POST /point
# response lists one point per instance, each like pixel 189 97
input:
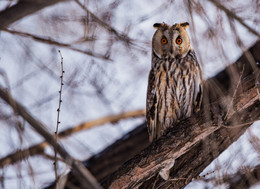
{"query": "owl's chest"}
pixel 174 89
pixel 173 76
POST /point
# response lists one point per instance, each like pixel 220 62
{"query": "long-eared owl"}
pixel 175 81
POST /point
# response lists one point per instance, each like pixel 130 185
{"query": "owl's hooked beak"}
pixel 171 50
pixel 172 54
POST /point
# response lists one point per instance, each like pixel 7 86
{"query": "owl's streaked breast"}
pixel 174 83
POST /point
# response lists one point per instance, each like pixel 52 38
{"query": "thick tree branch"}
pixel 83 175
pixel 185 152
pixel 21 9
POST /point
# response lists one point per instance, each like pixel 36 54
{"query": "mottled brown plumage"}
pixel 175 81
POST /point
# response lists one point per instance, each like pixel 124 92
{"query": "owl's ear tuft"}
pixel 157 25
pixel 184 25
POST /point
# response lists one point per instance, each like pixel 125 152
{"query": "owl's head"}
pixel 171 41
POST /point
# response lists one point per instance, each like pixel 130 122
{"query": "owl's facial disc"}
pixel 161 43
pixel 180 43
pixel 171 41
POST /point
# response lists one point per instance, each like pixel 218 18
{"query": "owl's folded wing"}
pixel 198 93
pixel 151 103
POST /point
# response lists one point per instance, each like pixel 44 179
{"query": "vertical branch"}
pixel 58 116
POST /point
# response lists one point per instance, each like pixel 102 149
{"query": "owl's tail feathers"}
pixel 155 130
pixel 151 138
pixel 151 132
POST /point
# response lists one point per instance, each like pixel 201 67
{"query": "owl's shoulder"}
pixel 191 54
pixel 191 58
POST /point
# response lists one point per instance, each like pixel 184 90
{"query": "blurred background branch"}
pixel 56 43
pixel 234 16
pixel 21 9
pixel 39 149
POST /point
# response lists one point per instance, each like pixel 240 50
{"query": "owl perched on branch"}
pixel 175 81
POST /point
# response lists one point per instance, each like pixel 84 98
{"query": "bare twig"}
pixel 39 148
pixel 204 176
pixel 239 125
pixel 234 16
pixel 23 154
pixel 233 97
pixel 58 115
pixel 83 175
pixel 104 120
pixel 53 158
pixel 53 42
pixel 122 37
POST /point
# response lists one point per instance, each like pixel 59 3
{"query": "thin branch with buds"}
pixel 58 116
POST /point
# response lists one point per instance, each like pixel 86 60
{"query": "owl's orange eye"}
pixel 164 41
pixel 178 40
